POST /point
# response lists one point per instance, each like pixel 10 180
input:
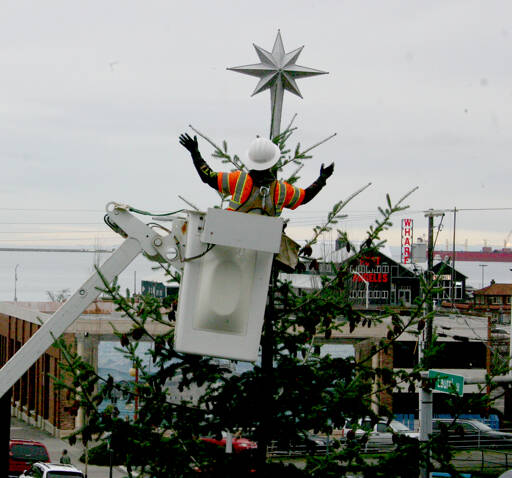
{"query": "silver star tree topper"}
pixel 277 72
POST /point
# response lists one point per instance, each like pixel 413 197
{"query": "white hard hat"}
pixel 262 154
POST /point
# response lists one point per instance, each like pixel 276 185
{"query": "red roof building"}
pixel 496 299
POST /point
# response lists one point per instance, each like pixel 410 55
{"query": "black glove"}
pixel 190 144
pixel 326 172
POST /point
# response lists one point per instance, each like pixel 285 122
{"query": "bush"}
pixel 100 456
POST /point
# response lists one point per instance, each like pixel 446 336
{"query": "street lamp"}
pixel 482 266
pixel 15 281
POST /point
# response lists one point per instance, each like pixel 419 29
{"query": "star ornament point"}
pixel 277 66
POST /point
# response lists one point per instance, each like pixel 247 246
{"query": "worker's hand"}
pixel 326 172
pixel 190 144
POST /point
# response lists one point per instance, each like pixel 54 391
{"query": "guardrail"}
pixel 298 450
pixel 468 442
pixel 483 459
pixel 479 441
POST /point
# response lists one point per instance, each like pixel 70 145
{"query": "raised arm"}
pixel 316 187
pixel 205 172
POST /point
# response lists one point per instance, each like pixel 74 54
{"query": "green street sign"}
pixel 447 382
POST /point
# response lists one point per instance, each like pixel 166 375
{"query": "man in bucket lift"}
pixel 258 191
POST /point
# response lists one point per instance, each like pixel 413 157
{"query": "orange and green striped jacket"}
pixel 239 186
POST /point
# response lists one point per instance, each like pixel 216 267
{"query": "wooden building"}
pixel 451 281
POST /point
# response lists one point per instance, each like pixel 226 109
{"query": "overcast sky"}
pixel 95 94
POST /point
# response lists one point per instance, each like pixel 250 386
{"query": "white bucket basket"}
pixel 223 291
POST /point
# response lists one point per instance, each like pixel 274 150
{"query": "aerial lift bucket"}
pixel 223 291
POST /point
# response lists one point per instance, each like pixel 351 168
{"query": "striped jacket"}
pixel 246 197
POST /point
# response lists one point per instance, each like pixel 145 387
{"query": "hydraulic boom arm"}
pixel 140 238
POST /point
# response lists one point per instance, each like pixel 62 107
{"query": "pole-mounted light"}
pixel 15 282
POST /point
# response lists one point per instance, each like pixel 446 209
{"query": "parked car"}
pixel 52 470
pixel 380 434
pixel 22 453
pixel 312 445
pixel 240 444
pixel 321 443
pixel 466 433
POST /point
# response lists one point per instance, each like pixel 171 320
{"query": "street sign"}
pixel 447 382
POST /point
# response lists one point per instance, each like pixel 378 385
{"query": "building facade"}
pixel 35 397
pixel 451 282
pixel 463 352
pixel 495 301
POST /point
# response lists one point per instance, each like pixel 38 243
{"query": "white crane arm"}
pixel 139 238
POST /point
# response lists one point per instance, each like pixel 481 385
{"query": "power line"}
pixel 37 249
pixel 49 209
pixel 363 211
pixel 52 239
pixel 52 223
pixel 57 232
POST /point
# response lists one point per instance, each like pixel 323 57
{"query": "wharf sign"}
pixel 406 242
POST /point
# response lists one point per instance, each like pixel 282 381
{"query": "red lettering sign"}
pixel 407 235
pixel 372 277
pixel 369 261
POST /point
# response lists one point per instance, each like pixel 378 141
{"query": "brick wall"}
pixel 382 359
pixel 34 396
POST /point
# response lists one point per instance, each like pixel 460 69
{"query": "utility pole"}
pixel 430 264
pixel 453 258
pixel 426 396
pixel 5 431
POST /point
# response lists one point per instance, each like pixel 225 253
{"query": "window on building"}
pixel 3 350
pixel 453 355
pixel 405 354
pixel 458 290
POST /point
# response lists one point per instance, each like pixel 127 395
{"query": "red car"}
pixel 239 444
pixel 22 453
